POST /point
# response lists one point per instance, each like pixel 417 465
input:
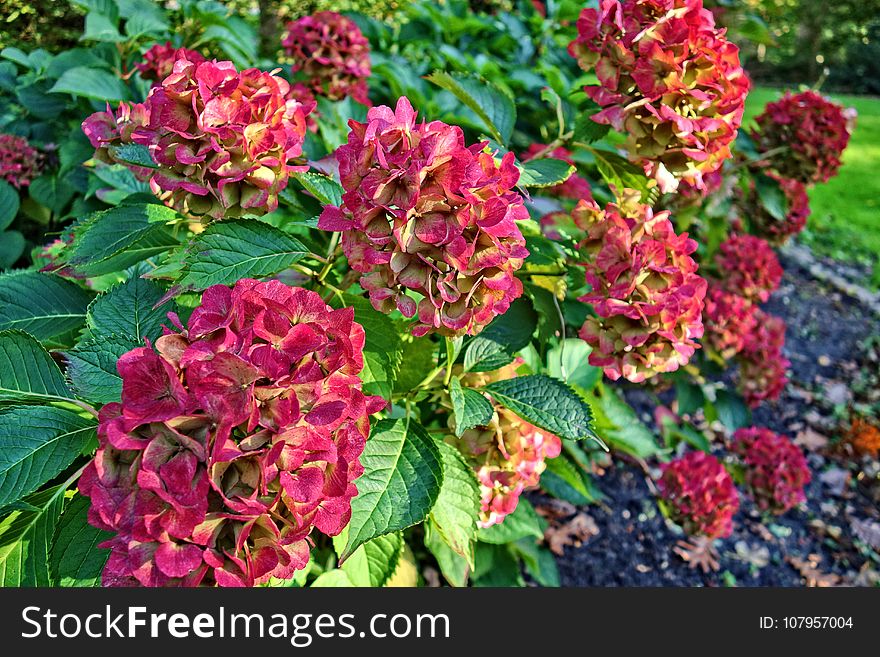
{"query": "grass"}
pixel 845 219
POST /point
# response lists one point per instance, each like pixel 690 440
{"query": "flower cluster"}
pixel 778 231
pixel 864 437
pixel 508 454
pixel 699 494
pixel 331 53
pixel 762 367
pixel 158 62
pixel 646 293
pixel 424 213
pixel 222 140
pixel 729 320
pixel 575 187
pixel 806 134
pixel 235 438
pixel 669 79
pixel 19 162
pixel 748 267
pixel 775 468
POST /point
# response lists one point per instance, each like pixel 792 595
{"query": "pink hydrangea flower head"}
pixel 508 454
pixel 223 140
pixel 576 187
pixel 19 162
pixel 157 63
pixel 807 134
pixel 774 230
pixel 332 54
pixel 422 213
pixel 646 294
pixel 669 79
pixel 235 438
pixel 776 471
pixel 729 320
pixel 699 494
pixel 748 267
pixel 762 367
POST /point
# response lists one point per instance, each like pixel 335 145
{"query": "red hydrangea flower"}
pixel 774 230
pixel 222 140
pixel 19 162
pixel 748 267
pixel 158 62
pixel 235 438
pixel 669 79
pixel 776 471
pixel 424 213
pixel 762 367
pixel 332 53
pixel 729 320
pixel 699 495
pixel 811 133
pixel 576 187
pixel 646 293
pixel 508 454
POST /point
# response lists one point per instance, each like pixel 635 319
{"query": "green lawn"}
pixel 845 220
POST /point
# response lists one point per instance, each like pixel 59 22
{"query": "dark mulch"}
pixel 634 544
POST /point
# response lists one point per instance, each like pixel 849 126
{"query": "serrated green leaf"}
pixel 230 250
pixel 547 403
pixel 545 172
pixel 587 131
pixel 496 567
pixel 323 188
pixel 9 203
pixel 401 481
pixel 539 562
pixel 92 83
pixel 568 362
pixel 564 479
pixel 12 245
pixel 136 154
pixel 112 240
pixel 453 566
pixel 495 345
pixel 471 409
pixel 46 306
pixel 732 410
pixel 457 509
pixel 374 562
pixel 617 424
pixel 383 347
pixel 495 108
pixel 36 444
pixel 621 173
pixel 76 559
pixel 336 578
pixel 523 522
pixel 91 367
pixel 128 309
pixel 419 356
pixel 27 371
pixel 25 539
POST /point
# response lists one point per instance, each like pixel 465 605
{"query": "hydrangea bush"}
pixel 339 297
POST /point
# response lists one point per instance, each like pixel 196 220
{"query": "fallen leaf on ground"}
pixel 754 555
pixel 809 570
pixel 837 393
pixel 867 531
pixel 811 440
pixel 699 552
pixel 573 533
pixel 554 509
pixel 836 479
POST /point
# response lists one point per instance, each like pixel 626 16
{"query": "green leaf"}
pixel 230 250
pixel 36 444
pixel 772 197
pixel 9 203
pixel 383 348
pixel 471 409
pixel 547 403
pixel 587 131
pixel 486 100
pixel 76 559
pixel 418 354
pixel 568 362
pixel 136 154
pixel 323 188
pixel 523 522
pixel 690 397
pixel 12 244
pixel 539 562
pixel 621 173
pixel 401 481
pixel 92 83
pixel 48 307
pixel 495 345
pixel 101 28
pixel 337 578
pixel 457 509
pixel 618 424
pixel 129 309
pixel 453 566
pixel 544 172
pixel 112 240
pixel 25 539
pixel 565 480
pixel 374 562
pixel 91 366
pixel 496 567
pixel 732 410
pixel 27 371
